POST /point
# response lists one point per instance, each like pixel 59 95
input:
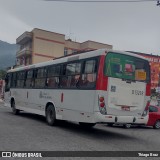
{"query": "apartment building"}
pixel 41 45
pixel 155 68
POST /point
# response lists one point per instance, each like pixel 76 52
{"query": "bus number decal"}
pixel 137 92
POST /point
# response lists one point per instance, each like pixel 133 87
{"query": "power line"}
pixel 105 1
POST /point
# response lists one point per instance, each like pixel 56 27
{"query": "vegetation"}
pixel 2 74
pixel 7 55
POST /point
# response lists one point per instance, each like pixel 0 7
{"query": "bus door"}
pixel 7 87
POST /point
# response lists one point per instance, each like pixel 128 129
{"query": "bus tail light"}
pixel 101 99
pixel 102 106
pixel 145 112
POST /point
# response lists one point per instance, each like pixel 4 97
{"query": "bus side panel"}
pixel 7 97
pixel 20 97
pixel 78 105
pixel 73 105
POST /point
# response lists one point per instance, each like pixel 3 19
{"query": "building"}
pixel 41 45
pixel 155 69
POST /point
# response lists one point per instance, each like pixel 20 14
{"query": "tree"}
pixel 2 74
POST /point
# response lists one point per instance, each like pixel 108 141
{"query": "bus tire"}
pixel 13 106
pixel 50 115
pixel 87 125
pixel 157 125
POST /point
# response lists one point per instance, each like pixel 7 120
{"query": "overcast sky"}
pixel 126 26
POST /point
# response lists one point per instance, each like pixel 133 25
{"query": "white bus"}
pixel 101 86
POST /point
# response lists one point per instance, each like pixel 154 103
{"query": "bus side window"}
pixel 52 80
pixel 29 83
pixel 71 75
pixel 40 77
pixel 63 77
pixel 75 81
pixel 14 80
pixel 21 79
pixel 88 78
pixel 63 82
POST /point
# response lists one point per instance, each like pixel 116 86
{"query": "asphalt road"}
pixel 29 132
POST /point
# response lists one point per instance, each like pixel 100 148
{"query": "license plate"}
pixel 125 108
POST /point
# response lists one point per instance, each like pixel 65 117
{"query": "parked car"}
pixel 139 121
pixel 152 119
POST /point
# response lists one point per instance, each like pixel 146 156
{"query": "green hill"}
pixel 7 54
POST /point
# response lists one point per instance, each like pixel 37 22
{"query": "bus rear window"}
pixel 126 67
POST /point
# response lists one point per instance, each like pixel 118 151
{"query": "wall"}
pixel 47 45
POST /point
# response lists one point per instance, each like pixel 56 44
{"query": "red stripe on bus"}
pixel 148 89
pixel 102 80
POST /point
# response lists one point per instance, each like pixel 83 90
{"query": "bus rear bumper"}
pixel 118 119
pixel 141 120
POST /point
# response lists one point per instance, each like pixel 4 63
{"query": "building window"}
pixel 65 51
pixel 22 61
pixel 28 61
pixel 18 61
pixel 74 51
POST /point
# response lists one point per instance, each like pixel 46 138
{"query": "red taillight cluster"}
pixel 102 106
pixel 101 102
pixel 101 99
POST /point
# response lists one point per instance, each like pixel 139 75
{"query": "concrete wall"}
pixel 47 45
pixel 94 45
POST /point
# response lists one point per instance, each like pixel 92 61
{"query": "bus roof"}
pixel 78 56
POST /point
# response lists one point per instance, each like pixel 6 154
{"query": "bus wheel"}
pixel 51 115
pixel 87 125
pixel 157 125
pixel 13 106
